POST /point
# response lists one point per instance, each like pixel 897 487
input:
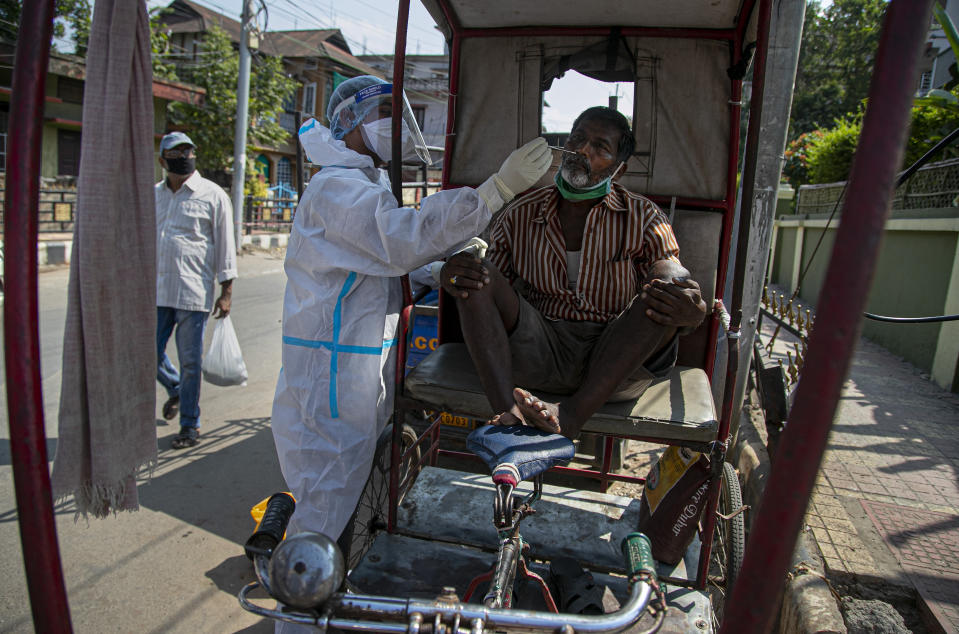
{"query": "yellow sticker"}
pixel 667 471
pixel 455 421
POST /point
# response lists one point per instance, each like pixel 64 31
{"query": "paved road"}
pixel 176 564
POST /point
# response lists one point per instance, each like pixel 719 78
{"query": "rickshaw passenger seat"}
pixel 677 409
pixel 518 452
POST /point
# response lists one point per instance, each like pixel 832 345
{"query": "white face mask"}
pixel 378 136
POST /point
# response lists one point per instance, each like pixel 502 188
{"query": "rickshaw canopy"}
pixel 693 14
pixel 680 56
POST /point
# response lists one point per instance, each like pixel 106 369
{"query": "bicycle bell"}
pixel 306 569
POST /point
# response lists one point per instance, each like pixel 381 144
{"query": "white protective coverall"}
pixel 349 246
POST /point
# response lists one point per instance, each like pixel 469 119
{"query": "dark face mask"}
pixel 181 166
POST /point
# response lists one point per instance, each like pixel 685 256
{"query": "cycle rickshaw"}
pixel 687 68
pixel 688 61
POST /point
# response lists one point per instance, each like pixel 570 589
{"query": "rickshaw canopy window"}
pixel 680 124
pixel 609 61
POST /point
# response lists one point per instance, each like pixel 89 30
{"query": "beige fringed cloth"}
pixel 107 429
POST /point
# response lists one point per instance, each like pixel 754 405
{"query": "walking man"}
pixel 195 250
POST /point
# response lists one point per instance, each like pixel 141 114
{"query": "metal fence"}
pixel 932 187
pixel 57 208
pixel 276 213
pixel 55 211
pixel 268 214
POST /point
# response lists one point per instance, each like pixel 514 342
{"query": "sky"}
pixel 368 25
pixel 369 28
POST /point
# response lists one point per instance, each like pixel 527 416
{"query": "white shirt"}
pixel 195 244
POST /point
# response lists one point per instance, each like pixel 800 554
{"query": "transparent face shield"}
pixel 374 103
pixel 419 143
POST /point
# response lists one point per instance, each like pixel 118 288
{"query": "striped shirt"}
pixel 195 243
pixel 624 234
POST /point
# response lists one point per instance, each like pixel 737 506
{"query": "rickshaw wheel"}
pixel 729 543
pixel 372 510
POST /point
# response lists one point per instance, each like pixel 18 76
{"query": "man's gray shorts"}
pixel 553 356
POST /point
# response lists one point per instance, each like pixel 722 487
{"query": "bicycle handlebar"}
pixel 403 615
pixel 390 614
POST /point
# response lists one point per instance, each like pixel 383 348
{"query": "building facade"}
pixel 63 112
pixel 317 59
pixel 938 56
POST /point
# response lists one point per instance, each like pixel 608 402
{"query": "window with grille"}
pixel 925 82
pixel 419 112
pixel 309 98
pixel 289 104
pixel 70 90
pixel 284 171
pixel 68 153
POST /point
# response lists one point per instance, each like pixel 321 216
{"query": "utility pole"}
pixel 242 111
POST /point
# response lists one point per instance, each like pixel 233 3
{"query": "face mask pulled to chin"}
pixel 378 136
pixel 570 192
pixel 181 166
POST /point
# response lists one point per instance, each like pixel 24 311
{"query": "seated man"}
pixel 581 293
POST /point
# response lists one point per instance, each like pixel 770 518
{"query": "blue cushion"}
pixel 525 451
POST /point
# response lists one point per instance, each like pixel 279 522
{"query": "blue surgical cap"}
pixel 357 111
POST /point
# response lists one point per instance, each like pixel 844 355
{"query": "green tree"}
pixel 77 15
pixel 160 46
pixel 830 155
pixel 68 14
pixel 212 126
pixel 796 165
pixel 839 45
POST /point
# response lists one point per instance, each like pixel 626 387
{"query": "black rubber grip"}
pixel 269 532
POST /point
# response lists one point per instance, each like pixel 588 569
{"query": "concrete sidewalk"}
pixel 885 509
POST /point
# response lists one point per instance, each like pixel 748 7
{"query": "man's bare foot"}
pixel 512 416
pixel 538 413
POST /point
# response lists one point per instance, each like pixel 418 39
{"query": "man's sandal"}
pixel 171 407
pixel 188 437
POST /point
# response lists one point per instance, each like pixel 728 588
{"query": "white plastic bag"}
pixel 223 363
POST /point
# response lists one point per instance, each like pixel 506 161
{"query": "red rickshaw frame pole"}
pixel 754 600
pixel 396 181
pixel 733 334
pixel 38 531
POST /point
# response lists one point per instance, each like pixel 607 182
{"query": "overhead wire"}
pixel 309 17
pixel 362 19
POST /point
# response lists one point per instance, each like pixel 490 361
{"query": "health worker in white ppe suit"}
pixel 350 243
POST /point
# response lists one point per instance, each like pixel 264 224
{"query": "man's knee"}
pixel 475 297
pixel 665 270
pixel 498 294
pixel 489 293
